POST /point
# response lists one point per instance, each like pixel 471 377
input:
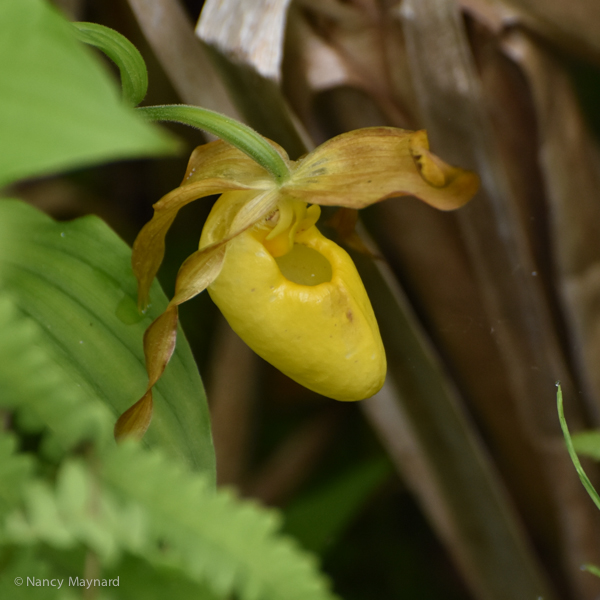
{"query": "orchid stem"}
pixel 235 133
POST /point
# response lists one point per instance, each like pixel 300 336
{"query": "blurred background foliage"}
pixel 453 482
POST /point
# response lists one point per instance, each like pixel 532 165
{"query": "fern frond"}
pixel 140 503
pixel 212 536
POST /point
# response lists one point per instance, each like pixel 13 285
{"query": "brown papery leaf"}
pixel 251 33
pixel 232 402
pixel 570 163
pixel 573 25
pixel 355 45
pixel 506 260
pixel 359 168
pixel 421 420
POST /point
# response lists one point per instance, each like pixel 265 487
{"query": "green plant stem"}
pixel 235 133
pixel 134 75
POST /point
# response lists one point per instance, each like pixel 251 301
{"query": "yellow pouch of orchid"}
pixel 300 305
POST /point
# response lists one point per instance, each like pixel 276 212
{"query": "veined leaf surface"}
pixel 75 281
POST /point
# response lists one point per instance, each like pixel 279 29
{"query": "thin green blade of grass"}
pixel 587 484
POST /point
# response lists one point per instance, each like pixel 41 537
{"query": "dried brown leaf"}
pixel 575 26
pixel 570 163
pixel 501 249
pixel 258 97
pixel 422 422
pixel 248 33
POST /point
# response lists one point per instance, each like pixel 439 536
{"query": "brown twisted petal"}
pixel 159 345
pixel 213 168
pixel 362 167
pixel 134 422
pixel 195 275
pixel 197 272
pixel 201 268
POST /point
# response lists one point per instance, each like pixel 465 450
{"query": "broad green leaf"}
pixel 146 517
pixel 41 392
pixel 74 282
pixel 59 108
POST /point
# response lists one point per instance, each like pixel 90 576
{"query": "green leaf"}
pixel 317 519
pixel 59 108
pixel 134 75
pixel 44 395
pixel 587 443
pixel 587 484
pixel 74 285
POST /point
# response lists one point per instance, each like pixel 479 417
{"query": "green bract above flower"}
pixel 292 295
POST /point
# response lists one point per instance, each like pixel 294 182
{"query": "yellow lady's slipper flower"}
pixel 292 295
pixel 297 300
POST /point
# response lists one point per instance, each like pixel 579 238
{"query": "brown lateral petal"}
pixel 198 271
pixel 203 267
pixel 213 168
pixel 134 422
pixel 362 167
pixel 159 345
pixel 195 275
